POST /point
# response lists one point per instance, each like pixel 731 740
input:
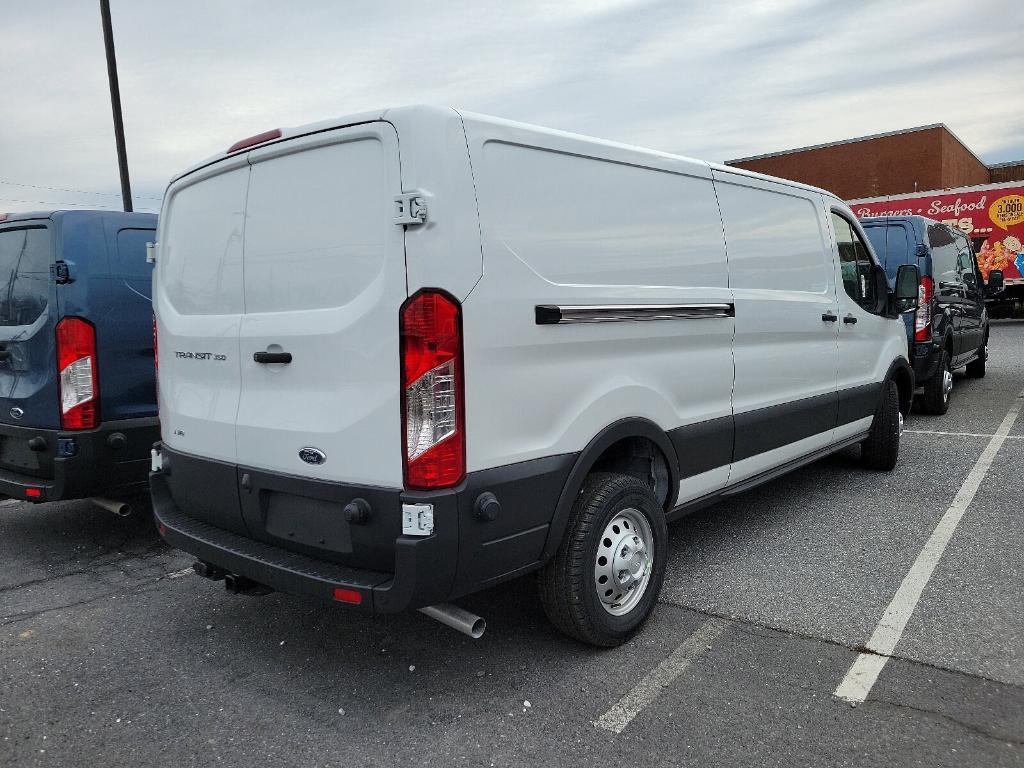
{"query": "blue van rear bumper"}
pixel 41 465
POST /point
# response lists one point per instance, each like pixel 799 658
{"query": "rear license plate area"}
pixel 16 455
pixel 310 522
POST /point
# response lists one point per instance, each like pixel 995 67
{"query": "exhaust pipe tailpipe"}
pixel 119 508
pixel 457 618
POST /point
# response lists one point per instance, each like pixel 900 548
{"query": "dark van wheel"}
pixel 976 368
pixel 605 578
pixel 882 447
pixel 938 388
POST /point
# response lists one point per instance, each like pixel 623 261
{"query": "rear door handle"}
pixel 828 317
pixel 850 320
pixel 272 357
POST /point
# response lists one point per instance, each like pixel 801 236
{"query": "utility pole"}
pixel 115 105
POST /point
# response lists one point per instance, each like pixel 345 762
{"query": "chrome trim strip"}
pixel 553 314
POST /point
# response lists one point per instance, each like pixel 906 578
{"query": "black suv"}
pixel 949 330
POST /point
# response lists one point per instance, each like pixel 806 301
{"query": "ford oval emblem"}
pixel 16 412
pixel 312 455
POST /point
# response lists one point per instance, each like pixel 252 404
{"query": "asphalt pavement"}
pixel 112 653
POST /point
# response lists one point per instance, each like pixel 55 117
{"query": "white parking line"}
pixel 647 690
pixel 858 682
pixel 957 434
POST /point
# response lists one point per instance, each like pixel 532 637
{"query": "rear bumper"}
pixel 112 459
pixel 925 362
pixel 390 571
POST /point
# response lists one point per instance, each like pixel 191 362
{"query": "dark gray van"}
pixel 949 330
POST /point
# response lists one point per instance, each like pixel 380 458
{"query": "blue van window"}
pixel 132 266
pixel 892 244
pixel 25 259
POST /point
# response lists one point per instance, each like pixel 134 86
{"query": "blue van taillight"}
pixel 76 366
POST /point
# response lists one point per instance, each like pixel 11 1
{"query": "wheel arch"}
pixel 901 372
pixel 605 444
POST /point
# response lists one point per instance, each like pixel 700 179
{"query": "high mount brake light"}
pixel 434 454
pixel 923 316
pixel 252 141
pixel 79 379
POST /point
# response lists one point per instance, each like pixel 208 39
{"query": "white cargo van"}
pixel 407 355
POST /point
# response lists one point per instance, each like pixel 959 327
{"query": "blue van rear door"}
pixel 28 311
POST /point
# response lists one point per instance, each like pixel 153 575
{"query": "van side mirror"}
pixel 905 289
pixel 995 280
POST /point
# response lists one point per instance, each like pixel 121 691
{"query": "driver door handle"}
pixel 829 317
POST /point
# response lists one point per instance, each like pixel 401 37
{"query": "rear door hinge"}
pixel 410 208
pixel 61 273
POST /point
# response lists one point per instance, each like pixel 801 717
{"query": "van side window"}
pixel 965 258
pixel 25 259
pixel 854 262
pixel 945 271
pixel 132 267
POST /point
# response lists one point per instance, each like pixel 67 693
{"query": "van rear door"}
pixel 28 311
pixel 324 281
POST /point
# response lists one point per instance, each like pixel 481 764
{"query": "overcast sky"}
pixel 709 80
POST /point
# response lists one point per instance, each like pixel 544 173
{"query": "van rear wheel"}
pixel 603 582
pixel 882 447
pixel 939 388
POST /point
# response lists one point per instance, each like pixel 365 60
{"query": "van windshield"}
pixel 24 274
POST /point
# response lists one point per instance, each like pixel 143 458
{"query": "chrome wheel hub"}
pixel 624 559
pixel 947 383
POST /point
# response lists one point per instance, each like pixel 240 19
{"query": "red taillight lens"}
pixel 923 316
pixel 432 391
pixel 348 596
pixel 33 493
pixel 252 141
pixel 79 381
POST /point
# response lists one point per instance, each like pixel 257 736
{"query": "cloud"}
pixel 707 80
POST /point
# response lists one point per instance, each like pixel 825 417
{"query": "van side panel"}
pixel 782 275
pixel 571 223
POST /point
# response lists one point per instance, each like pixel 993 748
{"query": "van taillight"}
pixel 432 391
pixel 79 382
pixel 923 316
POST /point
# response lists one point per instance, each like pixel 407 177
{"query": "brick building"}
pixel 898 162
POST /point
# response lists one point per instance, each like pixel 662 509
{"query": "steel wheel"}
pixel 624 562
pixel 947 383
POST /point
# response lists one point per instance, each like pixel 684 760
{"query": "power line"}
pixel 75 191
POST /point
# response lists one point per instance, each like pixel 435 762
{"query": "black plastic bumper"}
pixel 222 514
pixel 110 460
pixel 926 361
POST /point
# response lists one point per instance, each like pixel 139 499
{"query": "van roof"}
pixel 61 212
pixel 431 113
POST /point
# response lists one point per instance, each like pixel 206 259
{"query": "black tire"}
pixel 882 447
pixel 976 368
pixel 935 399
pixel 568 590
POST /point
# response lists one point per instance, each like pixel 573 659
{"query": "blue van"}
pixel 78 411
pixel 950 329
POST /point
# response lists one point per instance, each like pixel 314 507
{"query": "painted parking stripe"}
pixel 956 434
pixel 858 682
pixel 648 689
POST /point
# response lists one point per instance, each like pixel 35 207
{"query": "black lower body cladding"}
pixel 50 465
pixel 291 534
